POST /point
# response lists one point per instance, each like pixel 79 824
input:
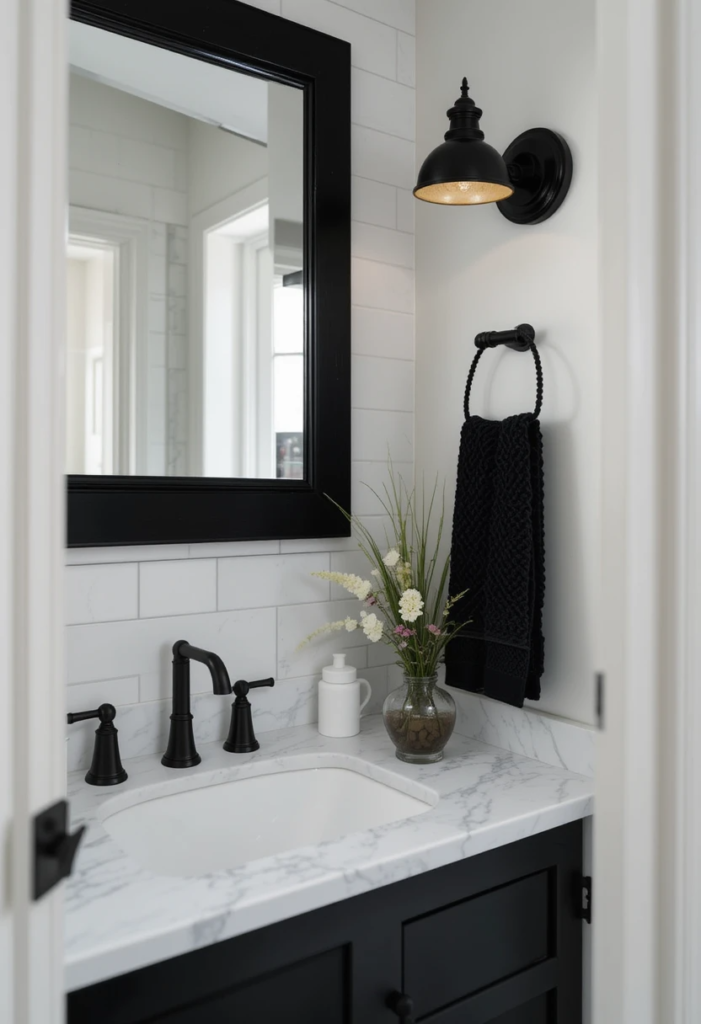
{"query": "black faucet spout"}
pixel 181 751
pixel 217 669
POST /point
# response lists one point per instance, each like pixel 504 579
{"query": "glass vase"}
pixel 419 717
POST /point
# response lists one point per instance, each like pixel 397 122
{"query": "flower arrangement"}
pixel 405 603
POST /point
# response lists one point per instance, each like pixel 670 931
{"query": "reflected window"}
pixel 288 376
pixel 90 370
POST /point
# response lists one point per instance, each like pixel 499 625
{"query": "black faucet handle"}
pixel 105 712
pixel 242 686
pixel 106 768
pixel 241 738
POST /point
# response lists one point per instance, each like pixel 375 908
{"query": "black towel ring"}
pixel 521 339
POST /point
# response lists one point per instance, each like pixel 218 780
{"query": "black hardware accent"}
pixel 528 182
pixel 402 1005
pixel 522 339
pixel 584 898
pixel 106 768
pixel 600 680
pixel 539 163
pixel 54 848
pixel 241 738
pixel 519 339
pixel 181 751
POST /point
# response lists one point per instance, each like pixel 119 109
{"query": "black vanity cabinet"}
pixel 494 939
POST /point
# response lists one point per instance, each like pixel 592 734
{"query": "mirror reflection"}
pixel 185 257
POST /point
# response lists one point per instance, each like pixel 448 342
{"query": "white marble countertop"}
pixel 120 917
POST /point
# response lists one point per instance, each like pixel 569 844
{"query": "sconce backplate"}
pixel 539 162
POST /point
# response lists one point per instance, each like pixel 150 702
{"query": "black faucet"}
pixel 181 751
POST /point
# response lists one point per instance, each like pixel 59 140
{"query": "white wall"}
pixel 253 603
pixel 128 156
pixel 220 164
pixel 528 64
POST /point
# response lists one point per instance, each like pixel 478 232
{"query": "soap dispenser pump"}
pixel 339 699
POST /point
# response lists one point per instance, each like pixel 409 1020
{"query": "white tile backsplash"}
pixel 367 484
pixel 383 105
pixel 100 593
pixel 382 286
pixel 263 581
pixel 406 59
pixel 382 157
pixel 178 588
pixel 373 45
pixel 295 622
pixel 372 242
pixel 87 696
pixel 386 384
pixel 253 602
pixel 406 210
pixel 373 202
pixel 375 433
pixel 381 332
pixel 399 13
pixel 246 640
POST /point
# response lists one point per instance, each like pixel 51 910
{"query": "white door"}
pixel 33 75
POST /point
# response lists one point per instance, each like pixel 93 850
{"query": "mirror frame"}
pixel 120 510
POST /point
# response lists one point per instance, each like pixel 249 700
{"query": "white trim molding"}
pixel 647 835
pixel 33 73
pixel 680 897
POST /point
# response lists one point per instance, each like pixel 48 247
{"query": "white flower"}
pixel 360 588
pixel 351 624
pixel 375 573
pixel 411 605
pixel 328 627
pixel 391 558
pixel 372 626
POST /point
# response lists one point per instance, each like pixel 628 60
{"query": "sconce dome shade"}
pixel 463 172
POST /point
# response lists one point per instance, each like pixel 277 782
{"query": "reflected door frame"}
pixel 130 236
pixel 243 201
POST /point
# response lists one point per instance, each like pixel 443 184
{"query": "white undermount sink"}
pixel 223 825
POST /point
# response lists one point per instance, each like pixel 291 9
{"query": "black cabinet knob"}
pixel 402 1005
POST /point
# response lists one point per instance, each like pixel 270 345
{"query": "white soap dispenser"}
pixel 339 699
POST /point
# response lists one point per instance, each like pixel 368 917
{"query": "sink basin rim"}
pixel 317 802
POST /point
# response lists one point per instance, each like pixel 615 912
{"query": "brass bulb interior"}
pixel 464 193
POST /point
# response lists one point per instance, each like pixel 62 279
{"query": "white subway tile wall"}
pixel 253 602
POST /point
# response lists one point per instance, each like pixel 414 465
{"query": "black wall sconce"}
pixel 528 183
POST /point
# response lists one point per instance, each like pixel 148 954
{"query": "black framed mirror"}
pixel 208 254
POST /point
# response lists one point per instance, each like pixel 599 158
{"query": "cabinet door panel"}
pixel 537 1011
pixel 466 947
pixel 314 990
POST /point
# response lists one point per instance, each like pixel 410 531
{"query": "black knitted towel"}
pixel 498 555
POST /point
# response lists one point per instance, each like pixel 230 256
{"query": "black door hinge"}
pixel 584 905
pixel 54 848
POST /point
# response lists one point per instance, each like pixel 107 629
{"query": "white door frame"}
pixel 33 85
pixel 131 343
pixel 248 198
pixel 647 827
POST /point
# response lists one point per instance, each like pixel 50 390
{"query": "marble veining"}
pixel 527 731
pixel 120 917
